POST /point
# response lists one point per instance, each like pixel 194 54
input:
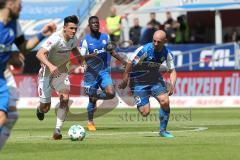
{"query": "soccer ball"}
pixel 76 132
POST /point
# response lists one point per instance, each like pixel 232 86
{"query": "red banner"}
pixel 205 83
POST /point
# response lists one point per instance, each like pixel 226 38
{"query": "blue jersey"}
pixel 91 45
pixel 8 35
pixel 97 72
pixel 146 62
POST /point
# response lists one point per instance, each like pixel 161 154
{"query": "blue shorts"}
pixel 142 93
pixel 4 96
pixel 102 80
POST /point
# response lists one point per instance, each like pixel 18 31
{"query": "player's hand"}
pixel 170 88
pixel 49 29
pixel 54 71
pixel 123 84
pixel 110 46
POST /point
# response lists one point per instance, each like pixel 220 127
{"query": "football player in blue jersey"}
pixel 10 32
pixel 97 50
pixel 146 81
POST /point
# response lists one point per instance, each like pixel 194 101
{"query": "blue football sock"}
pixel 90 109
pixel 163 117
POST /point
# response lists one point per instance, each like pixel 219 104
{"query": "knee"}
pixel 145 113
pixel 64 98
pixel 45 107
pixel 164 103
pixel 111 94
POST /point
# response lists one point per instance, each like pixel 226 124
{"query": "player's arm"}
pixel 125 77
pixel 77 54
pixel 111 49
pixel 42 56
pixel 173 78
pixel 84 50
pixel 27 45
pixel 134 59
pixel 49 45
pixel 173 73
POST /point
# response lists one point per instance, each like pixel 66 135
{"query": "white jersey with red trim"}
pixel 58 52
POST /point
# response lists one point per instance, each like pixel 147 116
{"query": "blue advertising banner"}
pixel 37 13
pixel 194 57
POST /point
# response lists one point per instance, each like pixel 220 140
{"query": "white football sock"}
pixel 61 116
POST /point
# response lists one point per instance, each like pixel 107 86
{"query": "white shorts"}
pixel 46 84
pixel 13 91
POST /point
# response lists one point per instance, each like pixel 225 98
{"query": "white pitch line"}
pixel 189 129
pixel 195 129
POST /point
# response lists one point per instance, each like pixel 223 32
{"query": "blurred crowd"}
pixel 178 30
pixel 232 36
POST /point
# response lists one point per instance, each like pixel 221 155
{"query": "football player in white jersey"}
pixel 54 56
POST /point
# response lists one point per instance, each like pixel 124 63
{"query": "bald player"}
pixel 146 80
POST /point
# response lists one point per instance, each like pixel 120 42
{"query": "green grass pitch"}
pixel 200 134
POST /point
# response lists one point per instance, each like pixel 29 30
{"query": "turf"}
pixel 200 134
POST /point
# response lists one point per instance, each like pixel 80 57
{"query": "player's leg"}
pixel 61 113
pixel 14 97
pixel 12 110
pixel 91 91
pixel 106 85
pixel 43 108
pixel 107 92
pixel 141 98
pixel 44 92
pixel 91 108
pixel 143 105
pixel 4 96
pixel 62 86
pixel 3 132
pixel 160 93
pixel 91 85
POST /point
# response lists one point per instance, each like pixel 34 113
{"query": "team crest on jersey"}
pixel 104 41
